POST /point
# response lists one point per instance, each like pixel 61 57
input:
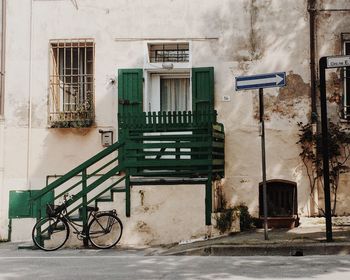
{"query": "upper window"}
pixel 170 52
pixel 71 83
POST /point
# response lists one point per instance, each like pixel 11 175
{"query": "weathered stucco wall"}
pixel 236 37
pixel 332 20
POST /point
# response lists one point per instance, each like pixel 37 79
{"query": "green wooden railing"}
pixel 179 144
pixel 88 181
pixel 166 121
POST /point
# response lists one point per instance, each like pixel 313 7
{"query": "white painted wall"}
pixel 235 37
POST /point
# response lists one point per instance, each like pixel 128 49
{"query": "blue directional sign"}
pixel 277 79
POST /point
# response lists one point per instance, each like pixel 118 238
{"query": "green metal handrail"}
pixel 85 187
pixel 77 170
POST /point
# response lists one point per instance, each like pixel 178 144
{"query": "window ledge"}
pixel 71 124
pixel 73 119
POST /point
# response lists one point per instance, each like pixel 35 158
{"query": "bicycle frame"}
pixel 81 233
pixel 76 226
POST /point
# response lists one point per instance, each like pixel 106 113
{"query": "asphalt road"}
pixel 115 264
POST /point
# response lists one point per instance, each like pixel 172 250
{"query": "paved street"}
pixel 114 264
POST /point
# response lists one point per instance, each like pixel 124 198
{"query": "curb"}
pixel 266 250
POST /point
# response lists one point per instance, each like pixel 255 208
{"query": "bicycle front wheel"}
pixel 105 230
pixel 50 233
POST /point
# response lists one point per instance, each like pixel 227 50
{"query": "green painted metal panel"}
pixel 20 203
pixel 203 89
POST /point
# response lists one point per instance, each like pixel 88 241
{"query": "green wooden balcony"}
pixel 167 148
pixel 172 144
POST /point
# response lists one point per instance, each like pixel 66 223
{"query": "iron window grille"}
pixel 71 102
pixel 168 52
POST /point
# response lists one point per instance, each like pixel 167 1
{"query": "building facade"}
pixel 70 66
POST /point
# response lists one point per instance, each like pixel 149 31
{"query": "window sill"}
pixel 71 119
pixel 71 124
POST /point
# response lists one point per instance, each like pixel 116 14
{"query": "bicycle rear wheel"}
pixel 105 230
pixel 50 233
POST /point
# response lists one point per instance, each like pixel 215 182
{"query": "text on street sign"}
pixel 338 61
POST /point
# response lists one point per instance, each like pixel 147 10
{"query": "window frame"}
pixel 162 69
pixel 166 52
pixel 58 116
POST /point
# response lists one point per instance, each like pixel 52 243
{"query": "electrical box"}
pixel 106 137
pixel 20 205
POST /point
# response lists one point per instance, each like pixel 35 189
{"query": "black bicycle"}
pixel 51 232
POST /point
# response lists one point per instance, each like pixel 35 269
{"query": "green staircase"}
pixel 83 183
pixel 153 149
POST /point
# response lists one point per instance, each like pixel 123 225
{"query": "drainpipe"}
pixel 2 96
pixel 3 50
pixel 312 17
pixel 29 134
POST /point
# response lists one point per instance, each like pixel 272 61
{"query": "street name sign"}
pixel 338 61
pixel 270 80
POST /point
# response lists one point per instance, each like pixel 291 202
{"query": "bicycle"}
pixel 50 233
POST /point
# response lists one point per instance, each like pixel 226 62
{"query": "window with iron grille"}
pixel 172 52
pixel 71 83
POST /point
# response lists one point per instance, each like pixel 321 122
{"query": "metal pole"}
pixel 325 149
pixel 84 208
pixel 263 157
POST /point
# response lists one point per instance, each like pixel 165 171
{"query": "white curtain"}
pixel 174 94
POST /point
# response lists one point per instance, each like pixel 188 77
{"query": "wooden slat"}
pixel 160 163
pixel 133 145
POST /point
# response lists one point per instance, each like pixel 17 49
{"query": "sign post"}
pixel 263 158
pixel 325 63
pixel 260 82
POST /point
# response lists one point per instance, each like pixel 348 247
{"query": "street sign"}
pixel 338 61
pixel 277 79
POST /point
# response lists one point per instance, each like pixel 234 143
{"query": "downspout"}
pixel 2 96
pixel 3 51
pixel 313 87
pixel 29 133
pixel 313 91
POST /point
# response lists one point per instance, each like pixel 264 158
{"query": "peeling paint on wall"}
pixel 284 103
pixel 334 88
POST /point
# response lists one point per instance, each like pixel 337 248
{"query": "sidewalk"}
pixel 307 239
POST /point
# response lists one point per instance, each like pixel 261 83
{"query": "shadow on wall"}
pixel 253 45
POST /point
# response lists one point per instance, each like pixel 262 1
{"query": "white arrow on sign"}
pixel 277 79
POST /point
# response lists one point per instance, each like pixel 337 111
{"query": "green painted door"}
pixel 203 89
pixel 130 91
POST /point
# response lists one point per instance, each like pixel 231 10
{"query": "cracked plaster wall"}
pixel 250 37
pixel 331 21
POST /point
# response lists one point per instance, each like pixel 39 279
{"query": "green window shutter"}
pixel 203 89
pixel 130 90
